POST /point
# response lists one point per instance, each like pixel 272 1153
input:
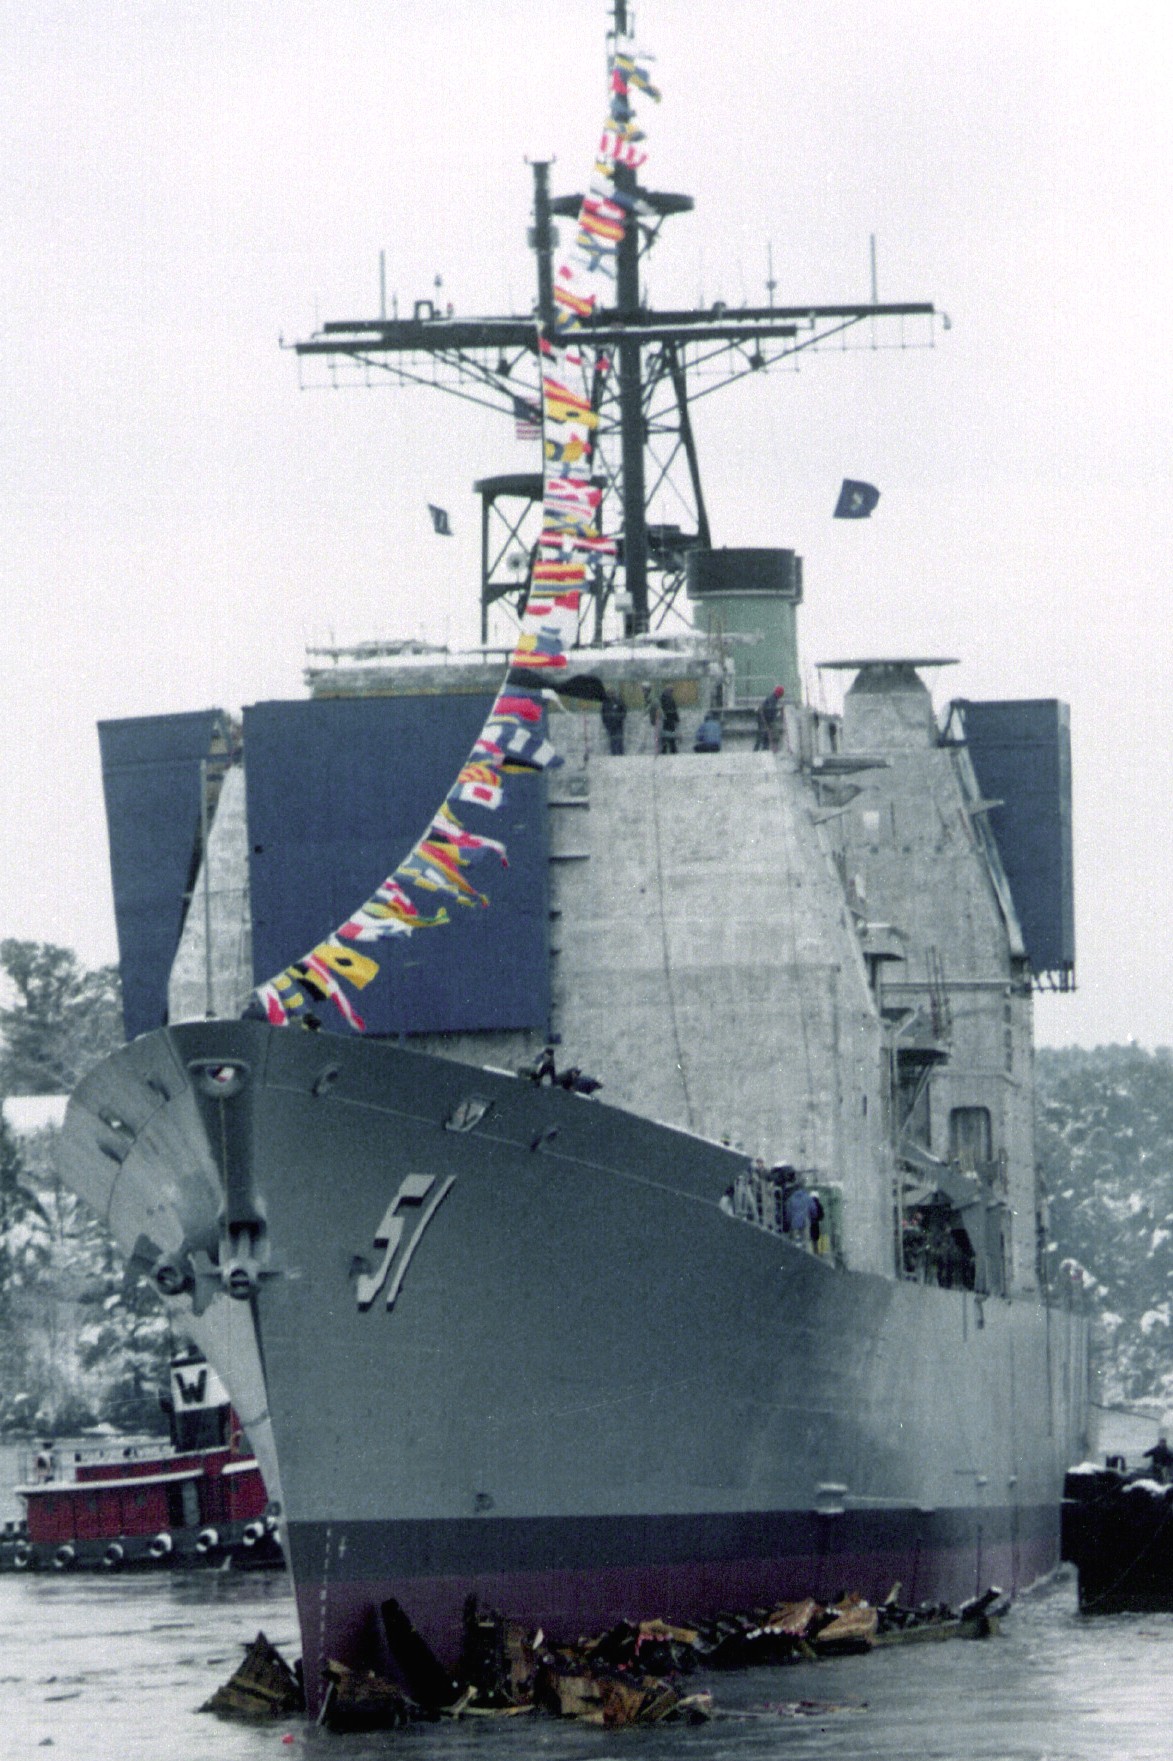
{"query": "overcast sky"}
pixel 187 182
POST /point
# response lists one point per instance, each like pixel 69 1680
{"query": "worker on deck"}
pixel 543 1068
pixel 770 723
pixel 669 719
pixel 614 714
pixel 708 734
pixel 801 1208
pixel 1161 1457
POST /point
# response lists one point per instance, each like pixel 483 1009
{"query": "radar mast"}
pixel 649 367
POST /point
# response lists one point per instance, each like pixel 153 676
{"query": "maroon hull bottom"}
pixel 339 1608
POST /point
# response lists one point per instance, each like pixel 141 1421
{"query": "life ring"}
pixel 253 1532
pixel 161 1546
pixel 114 1556
pixel 64 1556
pixel 207 1541
pixel 24 1557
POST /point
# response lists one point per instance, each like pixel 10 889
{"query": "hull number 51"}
pixel 398 1235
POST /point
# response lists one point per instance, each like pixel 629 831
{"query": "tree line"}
pixel 81 1340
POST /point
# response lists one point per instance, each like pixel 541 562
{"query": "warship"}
pixel 498 1274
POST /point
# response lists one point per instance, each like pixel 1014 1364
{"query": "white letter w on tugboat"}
pixel 413 1190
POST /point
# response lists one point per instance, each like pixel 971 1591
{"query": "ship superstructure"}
pixel 813 954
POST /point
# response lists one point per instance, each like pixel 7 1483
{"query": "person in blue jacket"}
pixel 708 735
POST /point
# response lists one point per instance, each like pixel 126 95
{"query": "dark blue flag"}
pixel 440 520
pixel 527 419
pixel 856 500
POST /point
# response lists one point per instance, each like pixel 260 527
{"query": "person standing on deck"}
pixel 1161 1457
pixel 614 714
pixel 669 719
pixel 770 724
pixel 801 1210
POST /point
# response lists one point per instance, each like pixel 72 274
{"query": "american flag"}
pixel 527 419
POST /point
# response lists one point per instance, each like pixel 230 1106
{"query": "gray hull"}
pixel 593 1392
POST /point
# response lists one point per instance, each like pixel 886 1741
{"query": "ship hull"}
pixel 514 1345
pixel 572 1579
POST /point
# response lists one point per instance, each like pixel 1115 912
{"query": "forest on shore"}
pixel 82 1340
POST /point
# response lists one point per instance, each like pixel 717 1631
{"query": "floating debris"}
pixel 264 1686
pixel 795 1709
pixel 976 1619
pixel 431 1687
pixel 852 1626
pixel 357 1702
pixel 612 1696
pixel 630 1674
pixel 499 1659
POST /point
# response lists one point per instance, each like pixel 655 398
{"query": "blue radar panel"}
pixel 1021 754
pixel 151 779
pixel 339 789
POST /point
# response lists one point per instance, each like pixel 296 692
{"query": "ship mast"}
pixel 631 418
pixel 644 358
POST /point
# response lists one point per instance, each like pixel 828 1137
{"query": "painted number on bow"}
pixel 398 1235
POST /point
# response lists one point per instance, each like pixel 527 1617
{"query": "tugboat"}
pixel 1117 1531
pixel 201 1501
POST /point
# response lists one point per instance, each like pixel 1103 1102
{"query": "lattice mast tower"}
pixel 647 364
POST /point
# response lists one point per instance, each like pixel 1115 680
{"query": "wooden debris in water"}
pixel 792 1620
pixel 630 1674
pixel 264 1686
pixel 635 1700
pixel 853 1626
pixel 359 1702
pixel 499 1659
pixel 616 1697
pixel 429 1683
pixel 933 1622
pixel 571 1693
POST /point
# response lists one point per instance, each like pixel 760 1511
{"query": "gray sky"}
pixel 187 181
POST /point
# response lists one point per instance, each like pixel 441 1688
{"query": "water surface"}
pixel 94 1668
